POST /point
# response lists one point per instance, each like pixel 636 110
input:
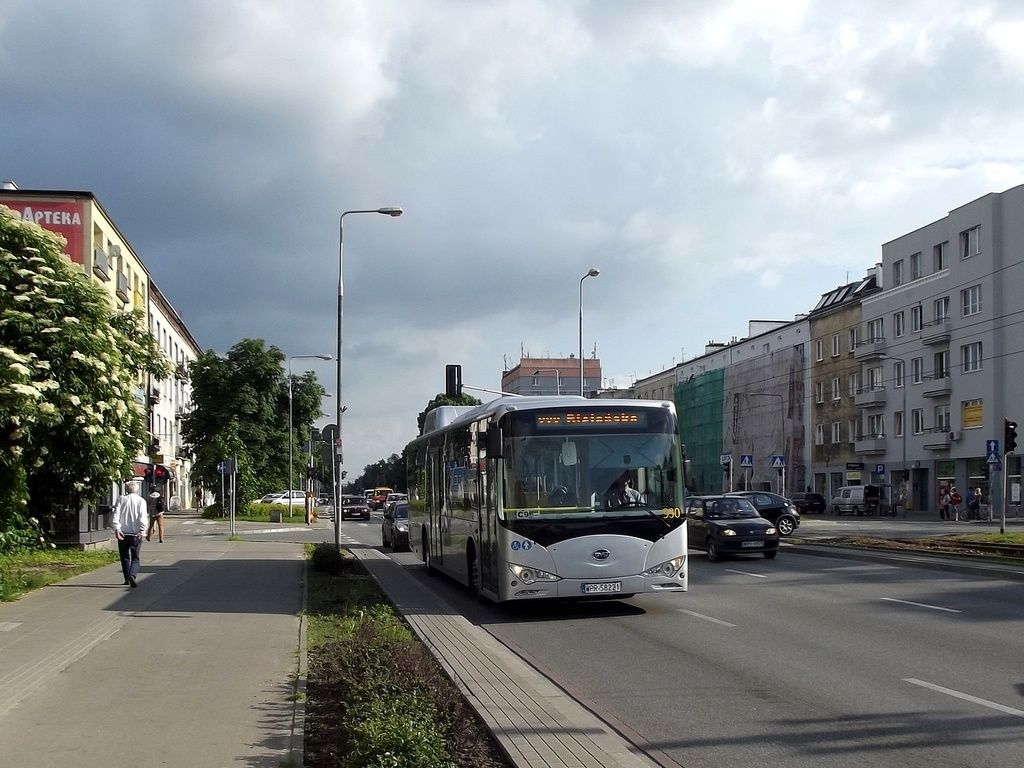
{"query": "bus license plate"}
pixel 607 586
pixel 752 544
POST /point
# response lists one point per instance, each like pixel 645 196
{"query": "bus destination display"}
pixel 586 419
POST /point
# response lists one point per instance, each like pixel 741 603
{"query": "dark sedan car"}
pixel 354 506
pixel 771 506
pixel 809 503
pixel 722 525
pixel 394 528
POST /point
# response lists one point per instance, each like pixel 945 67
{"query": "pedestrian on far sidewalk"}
pixel 129 521
pixel 955 500
pixel 309 507
pixel 944 503
pixel 156 516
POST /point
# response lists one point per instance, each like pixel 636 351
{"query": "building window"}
pixel 835 432
pixel 876 426
pixel 940 369
pixel 819 392
pixel 942 418
pixel 853 428
pixel 819 434
pixel 970 242
pixel 970 413
pixel 875 378
pixel 854 384
pixel 897 273
pixel 917 370
pixel 916 318
pixel 917 420
pixel 970 357
pixel 819 350
pixel 899 324
pixel 853 339
pixel 915 266
pixel 970 300
pixel 876 330
pixel 941 256
pixel 835 345
pixel 942 310
pixel 837 392
pixel 897 423
pixel 897 373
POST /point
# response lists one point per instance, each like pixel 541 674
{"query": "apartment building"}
pixel 103 253
pixel 942 350
pixel 552 376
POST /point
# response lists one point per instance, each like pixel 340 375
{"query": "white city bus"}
pixel 523 498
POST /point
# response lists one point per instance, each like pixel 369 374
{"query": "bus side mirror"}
pixel 494 442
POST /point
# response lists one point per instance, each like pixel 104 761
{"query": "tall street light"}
pixel 782 408
pixel 338 456
pixel 591 273
pixel 291 436
pixel 558 383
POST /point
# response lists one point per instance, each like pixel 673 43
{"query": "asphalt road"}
pixel 800 661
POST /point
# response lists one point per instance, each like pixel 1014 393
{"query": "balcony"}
pixel 869 349
pixel 122 287
pixel 100 264
pixel 870 397
pixel 938 439
pixel 936 332
pixel 154 395
pixel 938 387
pixel 181 372
pixel 868 445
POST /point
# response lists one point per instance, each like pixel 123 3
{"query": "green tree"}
pixel 240 409
pixel 70 424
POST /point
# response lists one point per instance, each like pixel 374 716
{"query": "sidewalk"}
pixel 201 665
pixel 197 666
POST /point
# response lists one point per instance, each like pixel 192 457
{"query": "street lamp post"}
pixel 558 384
pixel 291 436
pixel 591 273
pixel 339 459
pixel 782 408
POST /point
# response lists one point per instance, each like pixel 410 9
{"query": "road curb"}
pixel 915 560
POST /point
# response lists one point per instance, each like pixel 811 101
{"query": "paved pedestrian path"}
pixel 198 666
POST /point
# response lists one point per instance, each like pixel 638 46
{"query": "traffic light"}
pixel 453 380
pixel 157 475
pixel 1009 436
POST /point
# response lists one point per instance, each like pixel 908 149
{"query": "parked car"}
pixel 772 506
pixel 861 500
pixel 354 506
pixel 271 498
pixel 394 528
pixel 281 497
pixel 380 495
pixel 723 525
pixel 809 503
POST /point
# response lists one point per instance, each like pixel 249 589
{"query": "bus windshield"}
pixel 562 466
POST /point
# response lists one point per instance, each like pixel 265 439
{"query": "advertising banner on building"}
pixel 65 217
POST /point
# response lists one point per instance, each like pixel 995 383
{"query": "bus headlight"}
pixel 668 570
pixel 530 575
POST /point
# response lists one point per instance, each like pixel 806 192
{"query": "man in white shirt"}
pixel 130 520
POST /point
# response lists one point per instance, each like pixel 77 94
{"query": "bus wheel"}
pixel 431 571
pixel 473 569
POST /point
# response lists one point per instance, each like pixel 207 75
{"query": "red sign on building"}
pixel 63 217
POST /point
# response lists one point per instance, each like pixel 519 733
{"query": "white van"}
pixel 860 500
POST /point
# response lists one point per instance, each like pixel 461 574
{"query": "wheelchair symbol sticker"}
pixel 521 545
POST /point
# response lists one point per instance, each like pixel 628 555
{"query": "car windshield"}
pixel 721 509
pixel 353 501
pixel 401 511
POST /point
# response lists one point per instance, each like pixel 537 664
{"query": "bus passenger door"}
pixel 436 506
pixel 486 506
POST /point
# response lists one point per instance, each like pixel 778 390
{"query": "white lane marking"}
pixel 7 626
pixel 965 697
pixel 746 573
pixel 921 605
pixel 706 618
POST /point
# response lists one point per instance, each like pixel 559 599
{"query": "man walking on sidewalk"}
pixel 130 520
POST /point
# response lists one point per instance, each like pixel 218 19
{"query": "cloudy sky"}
pixel 718 161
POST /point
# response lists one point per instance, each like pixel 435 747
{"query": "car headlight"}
pixel 403 527
pixel 530 575
pixel 668 569
pixel 771 531
pixel 727 532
